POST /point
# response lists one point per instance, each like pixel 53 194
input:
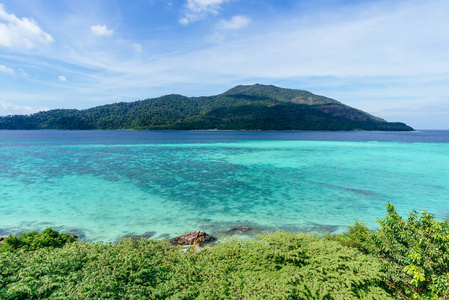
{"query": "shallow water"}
pixel 106 184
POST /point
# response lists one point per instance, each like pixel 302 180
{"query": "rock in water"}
pixel 137 237
pixel 244 230
pixel 240 229
pixel 164 236
pixel 189 238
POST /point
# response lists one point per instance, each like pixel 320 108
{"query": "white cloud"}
pixel 236 22
pixel 101 30
pixel 196 10
pixel 184 21
pixel 386 40
pixel 18 33
pixel 12 109
pixel 337 53
pixel 9 71
pixel 5 69
pixel 137 47
pixel 62 78
pixel 23 73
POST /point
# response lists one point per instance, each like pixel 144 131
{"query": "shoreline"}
pixel 242 230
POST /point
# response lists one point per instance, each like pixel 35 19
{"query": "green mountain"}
pixel 250 107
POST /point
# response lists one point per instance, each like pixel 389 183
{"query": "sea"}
pixel 106 185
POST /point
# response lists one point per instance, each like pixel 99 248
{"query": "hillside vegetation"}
pixel 254 107
pixel 404 259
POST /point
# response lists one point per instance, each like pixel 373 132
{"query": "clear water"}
pixel 106 184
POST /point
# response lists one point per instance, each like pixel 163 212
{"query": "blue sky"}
pixel 389 58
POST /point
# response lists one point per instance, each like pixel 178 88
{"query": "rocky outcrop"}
pixel 198 237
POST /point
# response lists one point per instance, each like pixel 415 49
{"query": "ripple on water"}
pixel 105 192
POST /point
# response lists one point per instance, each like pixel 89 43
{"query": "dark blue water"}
pixel 142 137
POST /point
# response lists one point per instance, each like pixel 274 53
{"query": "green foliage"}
pixel 34 240
pixel 276 266
pixel 358 236
pixel 254 107
pixel 414 253
pixel 407 259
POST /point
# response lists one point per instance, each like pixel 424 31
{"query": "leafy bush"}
pixel 407 259
pixel 358 236
pixel 276 266
pixel 414 253
pixel 34 240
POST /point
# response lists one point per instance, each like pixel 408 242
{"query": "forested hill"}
pixel 252 107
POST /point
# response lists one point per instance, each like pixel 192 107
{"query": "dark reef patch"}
pixel 137 237
pixel 244 230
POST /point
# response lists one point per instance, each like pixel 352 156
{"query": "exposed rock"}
pixel 76 233
pixel 200 237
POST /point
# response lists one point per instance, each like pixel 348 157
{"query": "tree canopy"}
pixel 253 107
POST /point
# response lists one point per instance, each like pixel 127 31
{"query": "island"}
pixel 244 107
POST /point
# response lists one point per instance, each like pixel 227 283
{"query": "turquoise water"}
pixel 104 185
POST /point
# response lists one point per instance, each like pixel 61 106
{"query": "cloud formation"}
pixel 18 33
pixel 137 47
pixel 236 22
pixel 101 30
pixel 23 73
pixel 387 40
pixel 5 69
pixel 13 109
pixel 380 56
pixel 62 78
pixel 196 10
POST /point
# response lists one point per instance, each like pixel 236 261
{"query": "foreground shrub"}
pixel 358 236
pixel 276 266
pixel 34 240
pixel 414 253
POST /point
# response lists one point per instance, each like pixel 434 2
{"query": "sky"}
pixel 388 58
